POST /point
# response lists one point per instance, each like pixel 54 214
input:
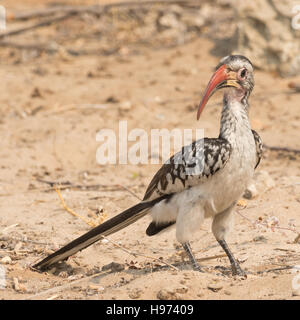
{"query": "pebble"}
pixel 17 286
pixel 182 289
pixel 214 287
pixel 114 267
pixel 63 274
pixel 262 183
pixel 135 293
pixel 6 260
pixel 251 192
pixel 296 292
pixel 242 203
pixel 260 239
pixel 164 294
pixel 53 297
pixel 96 288
pixel 125 106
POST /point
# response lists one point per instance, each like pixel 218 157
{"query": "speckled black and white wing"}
pixel 259 147
pixel 191 166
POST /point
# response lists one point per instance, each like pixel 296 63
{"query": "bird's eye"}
pixel 243 73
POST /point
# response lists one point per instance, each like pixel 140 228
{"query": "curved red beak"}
pixel 220 79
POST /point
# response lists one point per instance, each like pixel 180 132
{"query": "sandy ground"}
pixel 51 110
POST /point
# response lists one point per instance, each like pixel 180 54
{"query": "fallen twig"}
pixel 217 256
pixel 7 238
pixel 54 183
pixel 96 9
pixel 128 190
pixel 46 12
pixel 35 26
pixel 276 269
pixel 7 229
pixel 68 185
pixel 45 48
pixel 65 286
pixel 72 212
pixel 69 11
pixel 135 254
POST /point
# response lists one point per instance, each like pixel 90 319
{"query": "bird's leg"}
pixel 221 225
pixel 188 250
pixel 235 266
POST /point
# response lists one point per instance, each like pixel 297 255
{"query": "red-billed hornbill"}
pixel 204 179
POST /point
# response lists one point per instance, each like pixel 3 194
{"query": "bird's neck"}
pixel 234 120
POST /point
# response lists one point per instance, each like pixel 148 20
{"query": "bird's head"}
pixel 234 72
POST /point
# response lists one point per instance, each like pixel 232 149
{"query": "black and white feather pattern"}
pixel 259 147
pixel 192 165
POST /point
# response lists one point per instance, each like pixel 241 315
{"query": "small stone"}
pixel 242 203
pixel 96 288
pixel 228 293
pixel 55 296
pixel 263 181
pixel 18 246
pixel 214 287
pixel 114 267
pixel 18 286
pixel 125 106
pixel 6 260
pixel 251 192
pixel 112 99
pixel 260 239
pixel 164 294
pixel 296 292
pixel 135 293
pixel 90 74
pixel 182 289
pixel 63 274
pixel 36 93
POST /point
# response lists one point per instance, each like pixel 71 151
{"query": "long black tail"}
pixel 113 225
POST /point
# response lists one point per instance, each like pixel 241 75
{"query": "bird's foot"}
pixel 238 271
pixel 197 267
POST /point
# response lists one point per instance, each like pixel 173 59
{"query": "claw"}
pixel 237 271
pixel 197 267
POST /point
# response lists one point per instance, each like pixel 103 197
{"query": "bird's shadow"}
pixel 64 269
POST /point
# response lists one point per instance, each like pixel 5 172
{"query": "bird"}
pixel 204 179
